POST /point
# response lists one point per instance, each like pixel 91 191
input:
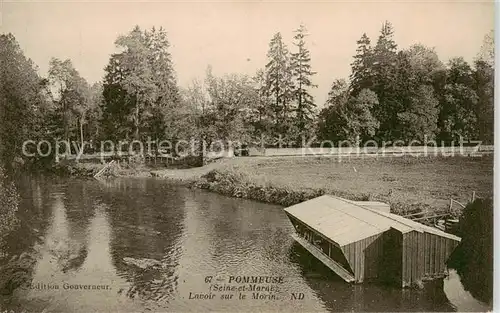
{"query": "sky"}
pixel 233 37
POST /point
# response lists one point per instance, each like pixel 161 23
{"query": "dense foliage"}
pixel 473 258
pixel 140 93
pixel 23 100
pixel 417 96
pixel 391 95
pixel 9 201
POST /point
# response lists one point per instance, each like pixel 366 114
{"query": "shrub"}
pixel 235 184
pixel 9 201
pixel 135 161
pixel 473 258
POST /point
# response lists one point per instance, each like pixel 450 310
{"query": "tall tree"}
pixel 419 121
pixel 302 73
pixel 72 96
pixel 231 99
pixel 139 79
pixel 361 67
pixel 117 104
pixel 457 116
pixel 24 98
pixel 60 74
pixel 416 68
pixel 348 117
pixel 279 83
pixel 263 117
pixel 484 76
pixel 93 114
pixel 196 98
pixel 140 88
pixel 487 51
pixel 484 86
pixel 332 119
pixel 361 125
pixel 385 71
pixel 338 94
pixel 81 95
pixel 165 113
pixel 424 63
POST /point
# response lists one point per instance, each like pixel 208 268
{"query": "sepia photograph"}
pixel 246 156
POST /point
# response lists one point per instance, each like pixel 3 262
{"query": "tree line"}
pixel 391 94
pixel 404 95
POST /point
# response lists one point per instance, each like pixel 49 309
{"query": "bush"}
pixel 72 168
pixel 402 208
pixel 135 161
pixel 9 201
pixel 235 184
pixel 473 258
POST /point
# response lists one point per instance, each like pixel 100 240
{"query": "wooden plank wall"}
pixel 363 257
pixel 425 256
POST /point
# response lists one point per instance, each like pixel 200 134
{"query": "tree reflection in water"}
pixel 144 226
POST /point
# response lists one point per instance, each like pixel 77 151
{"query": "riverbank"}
pixel 88 170
pixel 408 184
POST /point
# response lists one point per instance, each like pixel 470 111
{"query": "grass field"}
pixel 425 182
pixel 428 181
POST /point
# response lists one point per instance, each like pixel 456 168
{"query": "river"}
pixel 150 245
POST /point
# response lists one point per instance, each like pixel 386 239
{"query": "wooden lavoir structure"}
pixel 363 241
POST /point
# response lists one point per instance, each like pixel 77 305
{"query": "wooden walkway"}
pixel 317 253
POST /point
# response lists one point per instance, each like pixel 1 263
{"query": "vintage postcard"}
pixel 246 156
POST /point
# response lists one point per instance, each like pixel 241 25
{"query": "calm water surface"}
pixel 78 232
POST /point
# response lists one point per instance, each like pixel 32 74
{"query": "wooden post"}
pixel 103 169
pixel 473 196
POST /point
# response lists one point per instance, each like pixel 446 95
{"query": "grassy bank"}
pixel 236 184
pixel 408 184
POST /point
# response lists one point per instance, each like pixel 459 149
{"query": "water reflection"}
pixel 60 252
pixel 74 257
pixel 462 299
pixel 223 237
pixel 146 225
pixel 153 243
